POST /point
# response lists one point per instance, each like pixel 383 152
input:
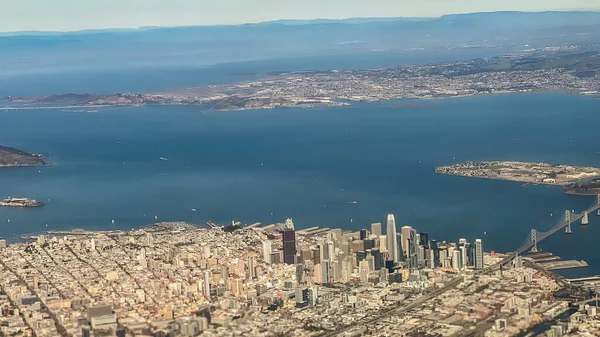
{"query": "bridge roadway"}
pixel 541 236
pixel 399 309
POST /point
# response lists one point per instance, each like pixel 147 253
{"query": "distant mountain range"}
pixel 491 20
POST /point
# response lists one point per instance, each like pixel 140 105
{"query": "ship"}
pixel 21 202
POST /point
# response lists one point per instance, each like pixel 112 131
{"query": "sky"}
pixel 70 15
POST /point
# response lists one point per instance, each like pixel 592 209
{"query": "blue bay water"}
pixel 308 164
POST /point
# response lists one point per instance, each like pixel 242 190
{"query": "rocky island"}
pixel 10 157
pixel 20 202
pixel 573 179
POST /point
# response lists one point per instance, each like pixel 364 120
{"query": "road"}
pixel 398 308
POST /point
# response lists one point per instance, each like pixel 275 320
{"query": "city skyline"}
pixel 68 15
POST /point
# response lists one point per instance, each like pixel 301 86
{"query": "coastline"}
pixel 338 103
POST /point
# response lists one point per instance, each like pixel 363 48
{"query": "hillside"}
pixel 10 157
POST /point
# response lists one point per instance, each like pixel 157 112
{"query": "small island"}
pixel 11 157
pixel 20 202
pixel 573 179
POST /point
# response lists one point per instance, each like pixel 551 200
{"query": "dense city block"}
pixel 175 279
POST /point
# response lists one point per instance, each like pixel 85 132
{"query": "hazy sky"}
pixel 65 15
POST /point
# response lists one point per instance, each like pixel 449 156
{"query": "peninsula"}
pixel 10 157
pixel 574 70
pixel 573 179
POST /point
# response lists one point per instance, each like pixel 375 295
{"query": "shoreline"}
pixel 343 102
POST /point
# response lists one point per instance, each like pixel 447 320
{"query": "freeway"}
pixel 398 308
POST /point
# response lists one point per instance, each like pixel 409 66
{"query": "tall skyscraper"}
pixel 392 244
pixel 363 268
pixel 431 259
pixel 376 229
pixel 326 271
pixel 405 230
pixel 379 263
pixel 478 254
pixel 456 260
pixel 267 251
pixel 225 276
pixel 289 246
pixel 251 266
pixel 470 255
pixel 300 273
pixel 463 256
pixel 433 246
pixel 383 243
pixel 363 234
pixel 424 239
pixel 330 250
pixel 207 284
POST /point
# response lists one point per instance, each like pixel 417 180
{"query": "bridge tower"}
pixel 568 220
pixel 534 249
pixel 585 220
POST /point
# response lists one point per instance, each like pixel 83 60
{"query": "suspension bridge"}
pixel 535 236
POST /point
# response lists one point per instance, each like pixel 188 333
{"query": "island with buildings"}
pixel 11 157
pixel 574 179
pixel 175 279
pixel 569 69
pixel 20 202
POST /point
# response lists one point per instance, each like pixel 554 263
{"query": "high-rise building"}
pixel 336 271
pixel 207 283
pixel 267 251
pixel 478 254
pixel 251 265
pixel 345 248
pixel 358 245
pixel 392 244
pixel 363 268
pixel 299 295
pixel 383 243
pixel 225 276
pixel 371 260
pixel 289 246
pixel 456 263
pixel 330 250
pixel 420 256
pixel 405 230
pixel 401 255
pixel 470 255
pixel 316 255
pixel 276 257
pixel 412 248
pixel 463 256
pixel 378 258
pixel 364 234
pixel 324 252
pixel 149 239
pixel 436 252
pixel 431 259
pixel 318 273
pixel 424 239
pixel 299 273
pixel 376 229
pixel 368 244
pixel 326 265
